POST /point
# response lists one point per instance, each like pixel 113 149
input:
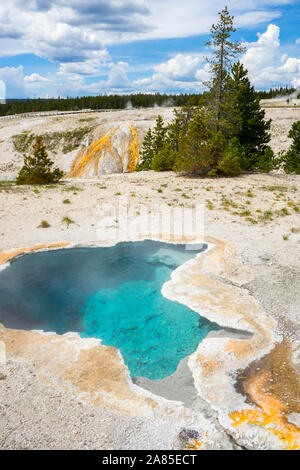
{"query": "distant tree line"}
pixel 275 92
pixel 139 100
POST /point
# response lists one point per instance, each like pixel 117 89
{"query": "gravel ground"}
pixel 35 416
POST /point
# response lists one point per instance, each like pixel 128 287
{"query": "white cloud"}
pixel 262 53
pixel 117 79
pixel 35 85
pixel 179 67
pixel 88 67
pixel 13 77
pixel 292 66
pixel 143 82
pixel 19 85
pixel 64 43
pixel 75 33
pixel 266 64
pixel 181 72
pixel 291 70
pixel 283 58
pixel 117 82
pixel 71 30
pixel 9 28
pixel 35 78
pixel 175 18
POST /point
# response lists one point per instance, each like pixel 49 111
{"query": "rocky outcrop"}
pixel 116 151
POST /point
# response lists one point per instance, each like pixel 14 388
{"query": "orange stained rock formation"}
pixel 134 151
pixel 124 153
pixel 96 148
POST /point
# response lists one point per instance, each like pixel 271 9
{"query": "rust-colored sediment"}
pixel 272 384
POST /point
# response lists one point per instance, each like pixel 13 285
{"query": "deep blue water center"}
pixel 112 293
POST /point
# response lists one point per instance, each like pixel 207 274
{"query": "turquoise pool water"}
pixel 112 293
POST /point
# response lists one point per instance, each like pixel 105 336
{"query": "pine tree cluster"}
pixel 226 133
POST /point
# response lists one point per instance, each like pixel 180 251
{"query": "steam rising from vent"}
pixel 292 95
pixel 165 104
pixel 129 105
pixel 295 94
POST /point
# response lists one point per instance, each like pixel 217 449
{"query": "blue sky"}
pixel 74 47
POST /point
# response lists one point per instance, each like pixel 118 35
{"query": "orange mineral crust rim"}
pixel 5 257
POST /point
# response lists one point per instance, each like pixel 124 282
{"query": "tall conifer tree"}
pixel 252 130
pixel 292 156
pixel 224 51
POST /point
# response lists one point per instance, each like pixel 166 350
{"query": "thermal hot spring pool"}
pixel 112 293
